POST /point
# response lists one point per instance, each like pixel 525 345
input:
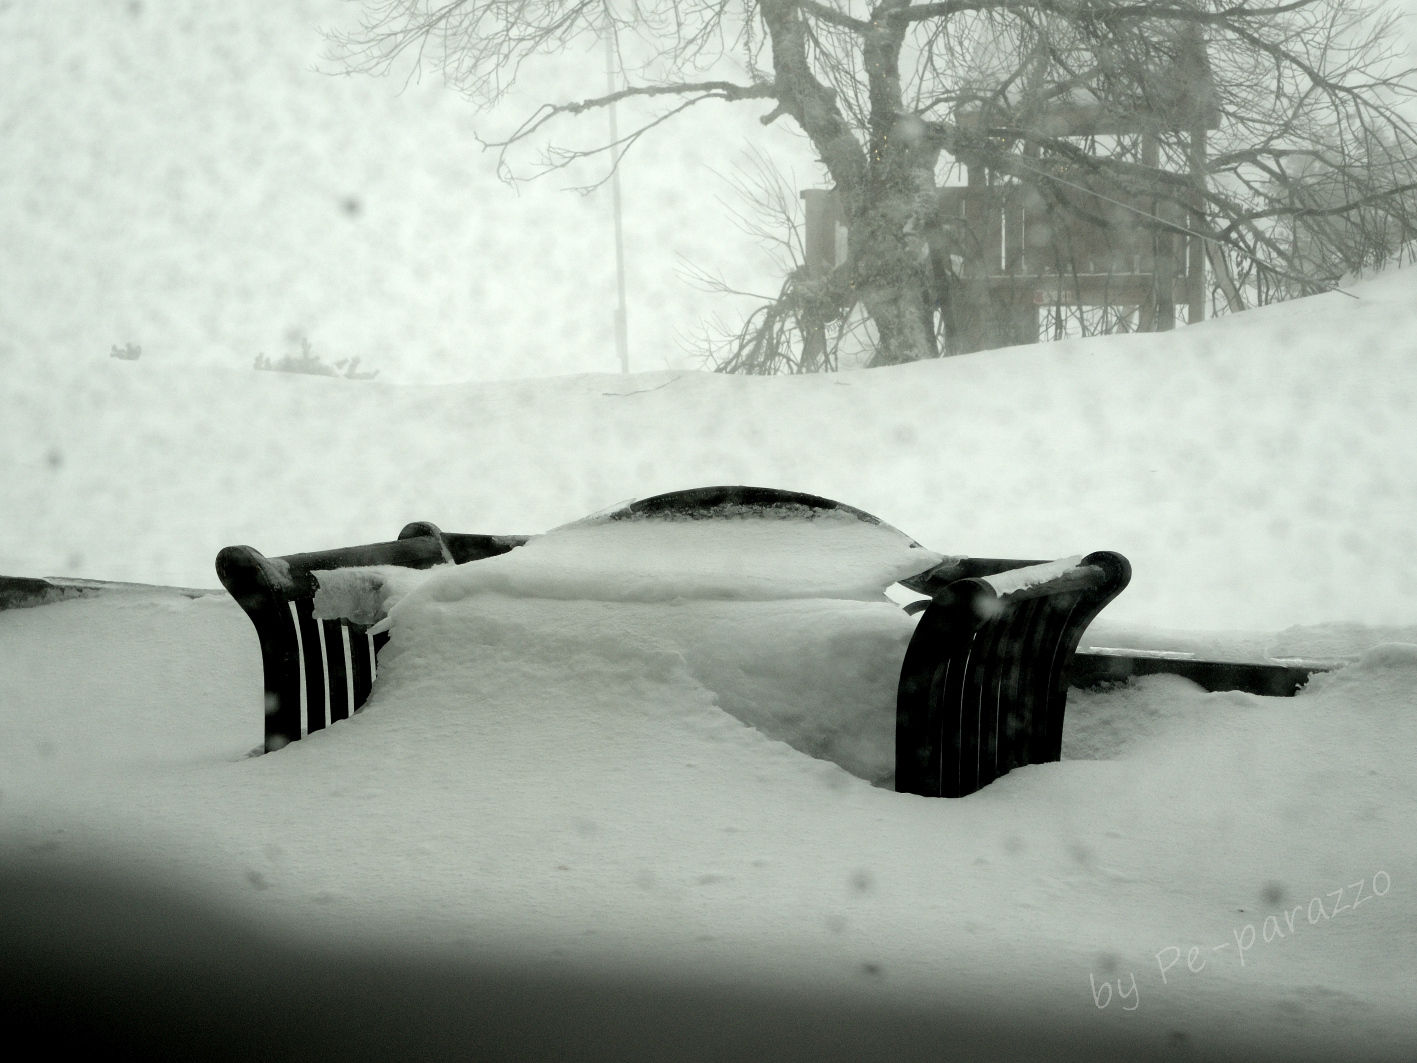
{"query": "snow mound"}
pixel 776 619
pixel 1323 641
pixel 750 558
pixel 818 675
pixel 364 594
pixel 1124 722
pixel 1383 675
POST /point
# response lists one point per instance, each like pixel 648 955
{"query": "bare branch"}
pixel 835 18
pixel 720 90
pixel 560 158
pixel 1096 10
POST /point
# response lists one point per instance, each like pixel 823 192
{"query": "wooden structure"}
pixel 1016 249
pixel 1003 250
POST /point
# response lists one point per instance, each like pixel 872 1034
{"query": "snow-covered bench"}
pixel 320 671
pixel 982 689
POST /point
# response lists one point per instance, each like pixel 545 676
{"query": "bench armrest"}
pixel 984 684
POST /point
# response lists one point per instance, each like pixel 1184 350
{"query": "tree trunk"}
pixel 899 208
pixel 904 326
pixel 893 278
pixel 888 190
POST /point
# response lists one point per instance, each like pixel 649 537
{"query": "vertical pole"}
pixel 819 250
pixel 1029 315
pixel 622 337
pixel 975 328
pixel 1195 266
pixel 1163 256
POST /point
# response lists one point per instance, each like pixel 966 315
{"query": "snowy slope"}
pixel 1257 470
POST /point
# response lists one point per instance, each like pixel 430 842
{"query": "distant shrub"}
pixel 131 352
pixel 311 365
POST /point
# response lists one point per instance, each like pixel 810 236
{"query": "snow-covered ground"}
pixel 574 780
pixel 682 787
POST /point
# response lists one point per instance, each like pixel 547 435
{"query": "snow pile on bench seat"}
pixel 766 558
pixel 817 674
pixel 364 594
pixel 780 622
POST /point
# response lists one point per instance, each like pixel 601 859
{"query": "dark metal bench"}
pixel 982 689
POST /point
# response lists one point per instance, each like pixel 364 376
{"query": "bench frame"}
pixel 982 690
pixel 318 672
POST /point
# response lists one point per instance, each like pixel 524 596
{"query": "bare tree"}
pixel 806 326
pixel 1264 141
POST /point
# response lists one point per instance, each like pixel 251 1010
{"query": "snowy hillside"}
pixel 1256 470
